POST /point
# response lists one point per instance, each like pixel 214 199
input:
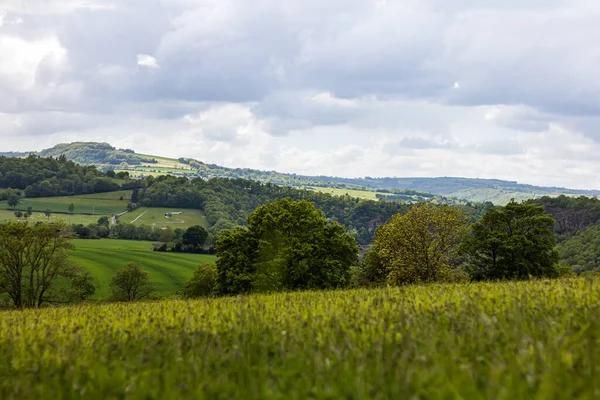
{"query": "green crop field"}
pixel 161 169
pixel 103 257
pixel 96 204
pixel 361 194
pixel 164 162
pixel 156 217
pixel 140 174
pixel 528 340
pixel 8 215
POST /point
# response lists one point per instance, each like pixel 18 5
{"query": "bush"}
pixel 203 283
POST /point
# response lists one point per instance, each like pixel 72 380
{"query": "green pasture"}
pixel 156 217
pixel 361 194
pixel 163 162
pixel 36 216
pixel 140 174
pixel 103 257
pixel 151 168
pixel 96 204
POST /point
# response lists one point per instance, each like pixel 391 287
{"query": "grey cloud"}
pixel 390 67
pixel 236 51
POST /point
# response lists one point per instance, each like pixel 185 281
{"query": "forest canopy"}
pixel 45 177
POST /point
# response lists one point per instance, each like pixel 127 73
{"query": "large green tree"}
pixel 421 245
pixel 131 283
pixel 288 245
pixel 195 237
pixel 13 200
pixel 512 242
pixel 33 258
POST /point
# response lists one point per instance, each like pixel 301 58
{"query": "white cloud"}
pixel 145 60
pixel 21 60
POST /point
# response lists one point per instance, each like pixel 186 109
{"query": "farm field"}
pixel 162 169
pixel 527 340
pixel 156 217
pixel 85 219
pixel 97 204
pixel 140 174
pixel 103 257
pixel 164 162
pixel 361 194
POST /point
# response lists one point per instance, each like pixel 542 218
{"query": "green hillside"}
pixel 36 216
pixel 159 217
pixel 109 203
pixel 94 153
pixel 142 165
pixel 103 257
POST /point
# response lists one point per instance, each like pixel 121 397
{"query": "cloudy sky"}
pixel 477 88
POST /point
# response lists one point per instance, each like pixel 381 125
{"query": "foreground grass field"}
pixel 156 217
pixel 96 204
pixel 534 340
pixel 103 257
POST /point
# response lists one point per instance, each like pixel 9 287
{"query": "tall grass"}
pixel 528 340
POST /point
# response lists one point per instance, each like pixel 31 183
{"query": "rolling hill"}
pixel 497 191
pixel 103 257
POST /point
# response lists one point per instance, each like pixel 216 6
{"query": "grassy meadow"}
pixel 361 194
pixel 156 217
pixel 9 215
pixel 526 340
pixel 103 257
pixel 97 204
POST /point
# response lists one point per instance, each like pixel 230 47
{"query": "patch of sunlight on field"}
pixel 85 219
pixel 158 217
pixel 96 204
pixel 361 194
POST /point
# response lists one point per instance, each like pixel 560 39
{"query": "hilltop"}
pixel 497 191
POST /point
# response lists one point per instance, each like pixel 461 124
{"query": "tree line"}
pixel 290 245
pixel 227 203
pixel 35 176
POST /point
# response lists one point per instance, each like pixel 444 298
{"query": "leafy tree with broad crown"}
pixel 32 258
pixel 13 200
pixel 288 245
pixel 512 242
pixel 195 236
pixel 103 221
pixel 131 283
pixel 421 245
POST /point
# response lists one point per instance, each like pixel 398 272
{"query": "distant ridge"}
pixel 497 191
